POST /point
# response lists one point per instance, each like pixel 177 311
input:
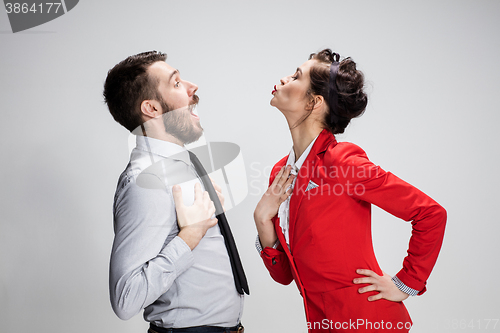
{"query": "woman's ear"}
pixel 319 102
pixel 150 109
pixel 316 102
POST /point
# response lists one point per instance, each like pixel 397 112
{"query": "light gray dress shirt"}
pixel 153 269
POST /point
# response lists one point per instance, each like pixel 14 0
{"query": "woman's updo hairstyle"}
pixel 350 100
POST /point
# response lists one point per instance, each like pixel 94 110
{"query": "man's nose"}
pixel 192 88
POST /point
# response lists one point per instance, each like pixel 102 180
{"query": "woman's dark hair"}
pixel 352 99
pixel 128 85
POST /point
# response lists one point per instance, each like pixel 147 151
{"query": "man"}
pixel 177 269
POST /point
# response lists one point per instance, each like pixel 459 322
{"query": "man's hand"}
pixel 195 220
pixel 218 190
pixel 383 284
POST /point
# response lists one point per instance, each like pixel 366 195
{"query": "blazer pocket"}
pixel 311 185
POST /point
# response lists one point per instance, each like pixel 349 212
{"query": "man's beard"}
pixel 179 124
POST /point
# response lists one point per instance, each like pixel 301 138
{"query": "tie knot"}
pixel 197 164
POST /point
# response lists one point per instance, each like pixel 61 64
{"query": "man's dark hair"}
pixel 128 85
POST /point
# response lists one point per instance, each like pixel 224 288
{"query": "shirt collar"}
pixel 302 158
pixel 163 148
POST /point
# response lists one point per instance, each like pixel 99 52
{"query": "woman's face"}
pixel 290 97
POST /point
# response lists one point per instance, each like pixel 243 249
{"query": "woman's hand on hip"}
pixel 381 283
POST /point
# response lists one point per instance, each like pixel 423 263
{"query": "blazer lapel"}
pixel 274 172
pixel 306 171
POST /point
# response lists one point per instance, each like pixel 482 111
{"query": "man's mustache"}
pixel 194 100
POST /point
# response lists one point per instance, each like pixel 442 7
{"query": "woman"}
pixel 314 220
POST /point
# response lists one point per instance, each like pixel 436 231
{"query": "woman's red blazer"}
pixel 330 237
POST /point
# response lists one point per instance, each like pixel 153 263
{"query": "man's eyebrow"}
pixel 173 74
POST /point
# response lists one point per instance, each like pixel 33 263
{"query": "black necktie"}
pixel 240 279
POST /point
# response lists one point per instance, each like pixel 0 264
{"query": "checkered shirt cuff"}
pixel 403 287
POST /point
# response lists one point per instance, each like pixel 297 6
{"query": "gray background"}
pixel 433 74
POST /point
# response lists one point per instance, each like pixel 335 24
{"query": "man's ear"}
pixel 150 108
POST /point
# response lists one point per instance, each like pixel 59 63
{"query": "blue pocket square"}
pixel 311 185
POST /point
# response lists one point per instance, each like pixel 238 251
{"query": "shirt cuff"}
pixel 403 287
pixel 179 254
pixel 258 245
